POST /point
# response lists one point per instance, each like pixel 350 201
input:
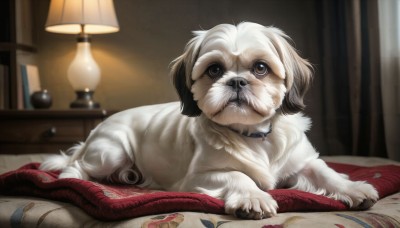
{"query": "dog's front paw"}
pixel 254 205
pixel 360 195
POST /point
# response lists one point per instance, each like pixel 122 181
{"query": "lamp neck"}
pixel 83 38
pixel 83 50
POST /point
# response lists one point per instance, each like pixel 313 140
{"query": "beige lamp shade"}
pixel 68 16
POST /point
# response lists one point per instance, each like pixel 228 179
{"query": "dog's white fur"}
pixel 208 149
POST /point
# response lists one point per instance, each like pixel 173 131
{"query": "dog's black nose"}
pixel 237 83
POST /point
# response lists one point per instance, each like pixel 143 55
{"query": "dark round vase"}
pixel 41 99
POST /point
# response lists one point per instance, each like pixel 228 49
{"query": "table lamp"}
pixel 82 17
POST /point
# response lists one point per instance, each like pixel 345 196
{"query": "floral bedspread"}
pixel 35 212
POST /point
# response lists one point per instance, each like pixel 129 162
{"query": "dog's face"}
pixel 240 75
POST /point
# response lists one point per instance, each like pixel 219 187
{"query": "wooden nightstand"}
pixel 46 131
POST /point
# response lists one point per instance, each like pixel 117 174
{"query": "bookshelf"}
pixel 16 47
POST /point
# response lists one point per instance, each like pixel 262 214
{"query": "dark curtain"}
pixel 350 78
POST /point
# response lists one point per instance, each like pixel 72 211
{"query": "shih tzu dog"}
pixel 241 132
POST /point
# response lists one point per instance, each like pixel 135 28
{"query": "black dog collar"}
pixel 260 134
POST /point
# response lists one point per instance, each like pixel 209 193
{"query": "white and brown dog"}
pixel 241 133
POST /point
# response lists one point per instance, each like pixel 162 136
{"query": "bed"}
pixel 31 209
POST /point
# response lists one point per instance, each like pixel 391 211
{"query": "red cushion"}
pixel 114 202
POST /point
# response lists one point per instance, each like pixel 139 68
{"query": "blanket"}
pixel 114 202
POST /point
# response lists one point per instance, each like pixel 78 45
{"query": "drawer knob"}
pixel 51 132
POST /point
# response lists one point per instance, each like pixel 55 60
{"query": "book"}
pixel 3 86
pixel 30 83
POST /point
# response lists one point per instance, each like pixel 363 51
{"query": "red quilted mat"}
pixel 115 202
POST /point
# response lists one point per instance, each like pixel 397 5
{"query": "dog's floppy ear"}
pixel 298 73
pixel 181 74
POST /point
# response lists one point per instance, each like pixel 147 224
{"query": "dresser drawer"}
pixel 28 131
pixel 46 131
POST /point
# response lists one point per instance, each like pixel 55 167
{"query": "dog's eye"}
pixel 215 71
pixel 260 69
